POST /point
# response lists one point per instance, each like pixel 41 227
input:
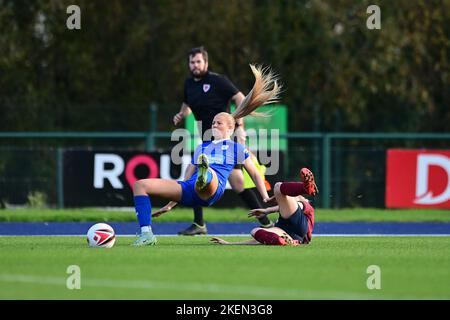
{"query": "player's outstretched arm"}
pixel 256 177
pixel 262 212
pixel 165 209
pixel 246 242
pixel 272 201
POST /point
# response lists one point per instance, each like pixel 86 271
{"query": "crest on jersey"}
pixel 206 87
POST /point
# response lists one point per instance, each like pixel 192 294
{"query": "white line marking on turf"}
pixel 192 287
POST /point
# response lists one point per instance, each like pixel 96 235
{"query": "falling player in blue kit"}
pixel 211 165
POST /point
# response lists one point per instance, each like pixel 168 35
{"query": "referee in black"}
pixel 205 95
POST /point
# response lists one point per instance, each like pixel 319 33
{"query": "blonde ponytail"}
pixel 266 90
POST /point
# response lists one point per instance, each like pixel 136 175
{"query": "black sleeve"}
pixel 227 88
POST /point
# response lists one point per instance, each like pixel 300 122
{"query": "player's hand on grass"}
pixel 164 209
pixel 218 240
pixel 258 213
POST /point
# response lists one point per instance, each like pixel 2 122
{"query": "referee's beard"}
pixel 199 75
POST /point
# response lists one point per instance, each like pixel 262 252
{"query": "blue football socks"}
pixel 143 210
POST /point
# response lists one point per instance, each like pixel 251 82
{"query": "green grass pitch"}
pixel 194 268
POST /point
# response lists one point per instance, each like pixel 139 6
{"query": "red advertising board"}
pixel 418 178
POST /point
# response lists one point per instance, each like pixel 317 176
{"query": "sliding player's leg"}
pixel 277 235
pixel 207 182
pixel 272 236
pixel 307 178
pixel 293 212
pixel 142 190
pixel 288 205
pixel 204 187
pixel 306 187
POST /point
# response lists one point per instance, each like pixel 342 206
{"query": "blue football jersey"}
pixel 223 155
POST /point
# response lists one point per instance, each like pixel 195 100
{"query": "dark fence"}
pixel 350 168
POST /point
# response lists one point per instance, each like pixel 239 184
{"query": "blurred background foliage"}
pixel 338 75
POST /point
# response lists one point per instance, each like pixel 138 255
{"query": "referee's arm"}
pixel 237 99
pixel 184 112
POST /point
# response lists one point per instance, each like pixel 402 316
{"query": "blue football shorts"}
pixel 190 198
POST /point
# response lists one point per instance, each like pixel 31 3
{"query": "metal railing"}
pixel 321 160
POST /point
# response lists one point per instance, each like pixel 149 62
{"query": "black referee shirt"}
pixel 208 97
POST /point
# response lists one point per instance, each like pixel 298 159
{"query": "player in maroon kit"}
pixel 296 222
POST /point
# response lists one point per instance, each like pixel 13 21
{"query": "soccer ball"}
pixel 101 235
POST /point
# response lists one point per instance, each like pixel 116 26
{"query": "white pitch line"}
pixel 218 288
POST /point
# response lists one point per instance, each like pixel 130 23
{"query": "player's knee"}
pixel 138 186
pixel 237 184
pixel 277 189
